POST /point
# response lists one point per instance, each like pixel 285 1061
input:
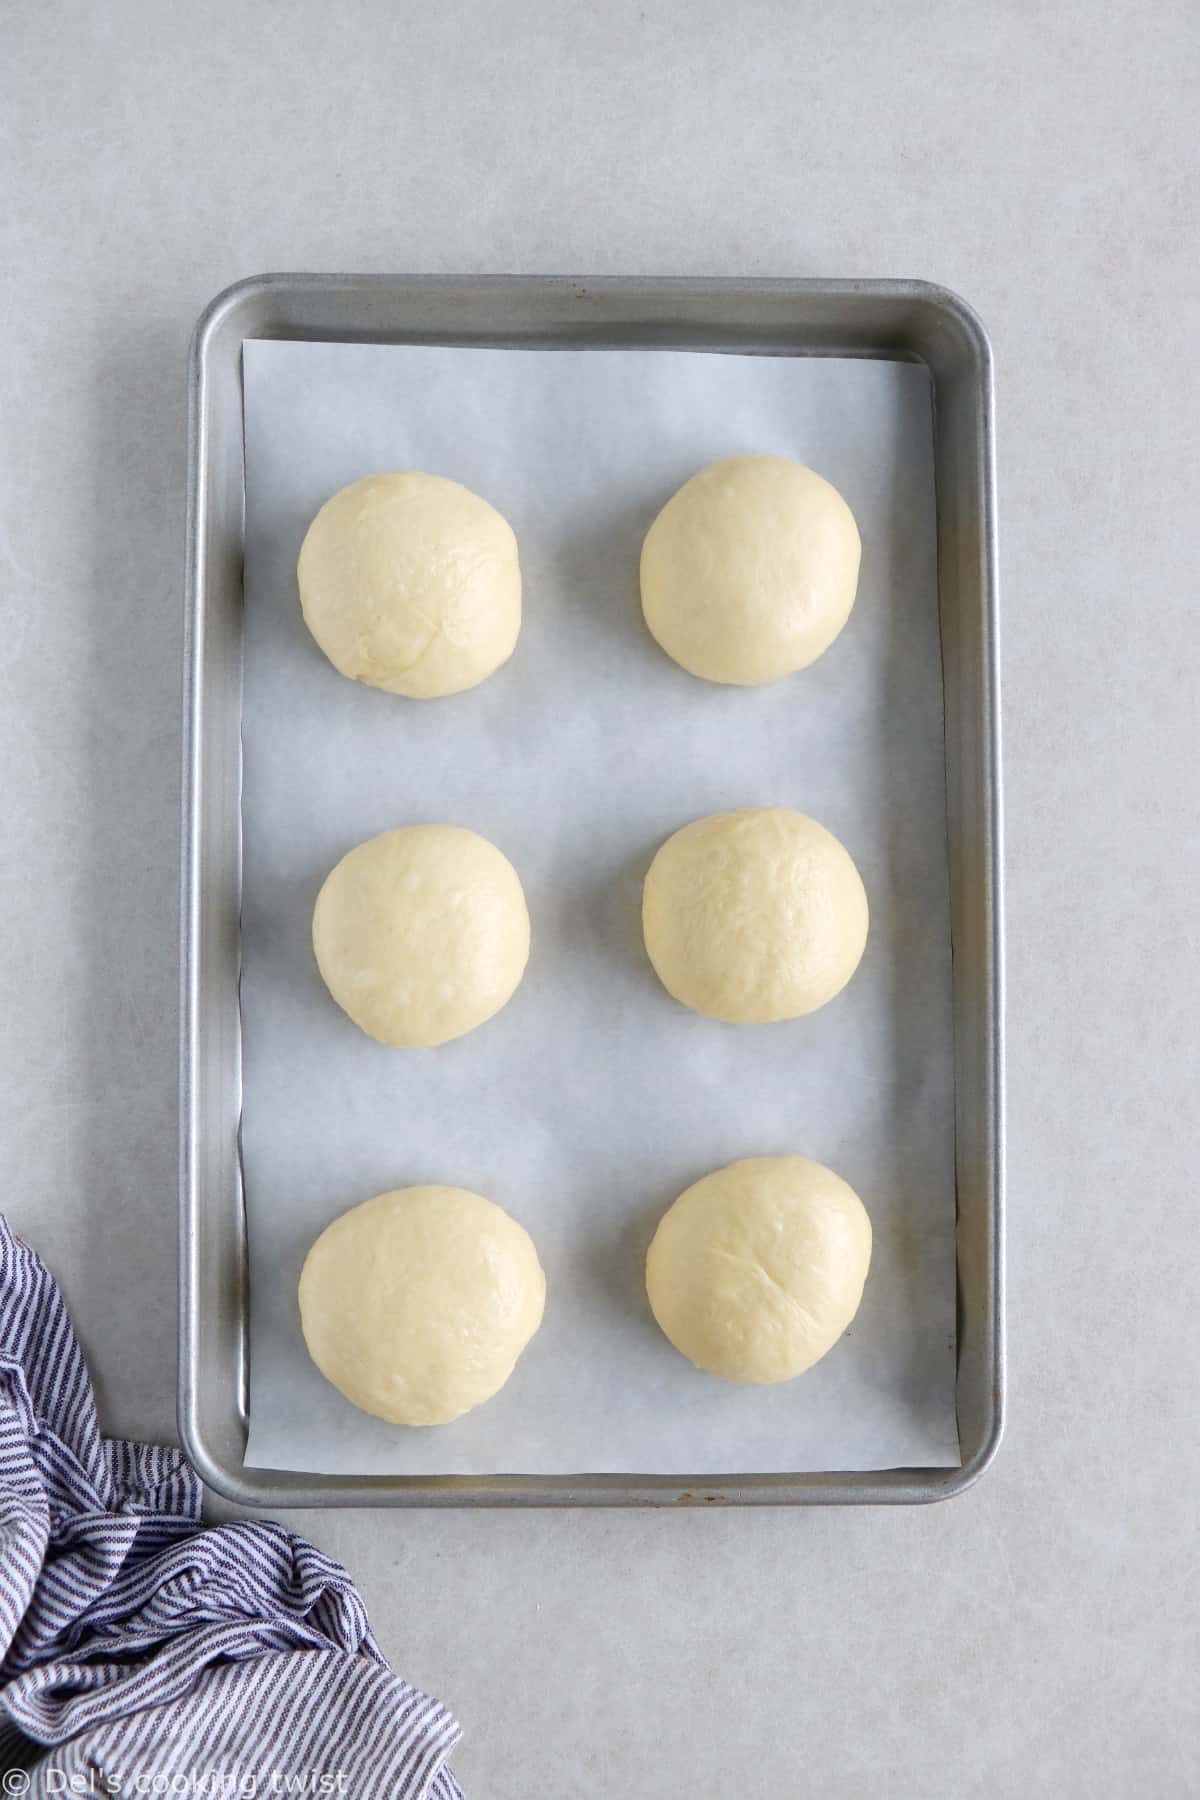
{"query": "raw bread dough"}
pixel 411 583
pixel 417 1304
pixel 421 934
pixel 756 1271
pixel 750 570
pixel 754 916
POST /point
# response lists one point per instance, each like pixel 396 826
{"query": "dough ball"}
pixel 756 1271
pixel 421 934
pixel 754 916
pixel 411 583
pixel 750 570
pixel 417 1304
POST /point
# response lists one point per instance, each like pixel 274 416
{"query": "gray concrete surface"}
pixel 1039 1636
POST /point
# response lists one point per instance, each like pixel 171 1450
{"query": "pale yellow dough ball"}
pixel 411 583
pixel 754 916
pixel 421 934
pixel 755 1272
pixel 749 572
pixel 417 1304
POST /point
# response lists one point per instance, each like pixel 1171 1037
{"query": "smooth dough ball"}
pixel 411 583
pixel 750 570
pixel 754 916
pixel 417 1304
pixel 756 1271
pixel 421 934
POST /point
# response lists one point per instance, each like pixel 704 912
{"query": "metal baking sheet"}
pixel 893 1484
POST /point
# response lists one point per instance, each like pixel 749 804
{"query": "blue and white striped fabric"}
pixel 142 1654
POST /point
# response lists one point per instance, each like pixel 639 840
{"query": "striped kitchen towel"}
pixel 143 1654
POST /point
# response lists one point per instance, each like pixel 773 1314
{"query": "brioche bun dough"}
pixel 754 916
pixel 421 934
pixel 756 1271
pixel 411 583
pixel 750 570
pixel 417 1304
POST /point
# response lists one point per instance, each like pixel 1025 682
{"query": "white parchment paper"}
pixel 593 1099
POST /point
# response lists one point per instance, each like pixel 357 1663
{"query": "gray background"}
pixel 1038 1636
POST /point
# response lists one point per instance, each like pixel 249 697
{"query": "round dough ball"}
pixel 750 570
pixel 417 1304
pixel 421 934
pixel 411 583
pixel 754 916
pixel 755 1272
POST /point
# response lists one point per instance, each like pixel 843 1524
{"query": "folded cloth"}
pixel 143 1654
